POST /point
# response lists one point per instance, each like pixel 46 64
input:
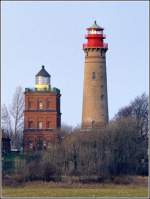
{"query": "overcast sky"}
pixel 52 33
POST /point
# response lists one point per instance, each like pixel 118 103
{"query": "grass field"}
pixel 49 190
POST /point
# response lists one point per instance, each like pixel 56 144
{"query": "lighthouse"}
pixel 42 116
pixel 95 100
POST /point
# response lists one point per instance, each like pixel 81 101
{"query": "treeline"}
pixel 115 150
pixel 121 148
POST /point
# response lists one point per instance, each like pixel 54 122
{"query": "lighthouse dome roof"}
pixel 43 73
pixel 95 26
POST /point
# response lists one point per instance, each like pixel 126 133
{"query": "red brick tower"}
pixel 42 117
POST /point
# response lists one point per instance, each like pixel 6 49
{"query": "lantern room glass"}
pixel 95 32
pixel 42 80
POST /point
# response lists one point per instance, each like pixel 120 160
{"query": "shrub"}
pixel 123 180
pixel 13 180
pixel 91 179
pixel 70 179
pixel 50 173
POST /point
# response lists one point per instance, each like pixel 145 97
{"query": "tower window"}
pixel 40 125
pixel 30 124
pixel 44 143
pixel 93 75
pixel 30 145
pixel 48 104
pixel 102 97
pixel 93 122
pixel 40 105
pixel 30 104
pixel 39 144
pixel 48 124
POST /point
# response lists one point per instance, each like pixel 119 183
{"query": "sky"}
pixel 35 33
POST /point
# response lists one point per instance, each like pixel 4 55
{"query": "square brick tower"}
pixel 42 117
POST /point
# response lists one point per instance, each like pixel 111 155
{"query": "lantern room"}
pixel 42 80
pixel 95 29
pixel 95 37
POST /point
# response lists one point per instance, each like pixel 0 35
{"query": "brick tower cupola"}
pixel 42 80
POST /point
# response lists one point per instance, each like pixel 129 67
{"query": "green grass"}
pixel 102 190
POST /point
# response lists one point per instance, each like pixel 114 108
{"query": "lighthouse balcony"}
pixel 54 90
pixel 104 45
pixel 95 36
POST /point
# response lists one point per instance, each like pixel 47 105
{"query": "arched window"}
pixel 102 97
pixel 40 105
pixel 47 124
pixel 93 122
pixel 39 144
pixel 48 104
pixel 44 144
pixel 93 75
pixel 40 125
pixel 30 145
pixel 30 124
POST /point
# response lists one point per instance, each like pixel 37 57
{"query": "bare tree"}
pixel 140 113
pixel 138 110
pixel 16 112
pixel 6 120
pixel 66 128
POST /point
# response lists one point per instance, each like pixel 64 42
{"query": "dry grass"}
pixel 139 189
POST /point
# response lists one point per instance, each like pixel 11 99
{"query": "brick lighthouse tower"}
pixel 42 117
pixel 95 105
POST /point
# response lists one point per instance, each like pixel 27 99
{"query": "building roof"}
pixel 43 73
pixel 95 26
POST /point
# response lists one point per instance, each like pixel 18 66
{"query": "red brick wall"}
pixel 49 114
